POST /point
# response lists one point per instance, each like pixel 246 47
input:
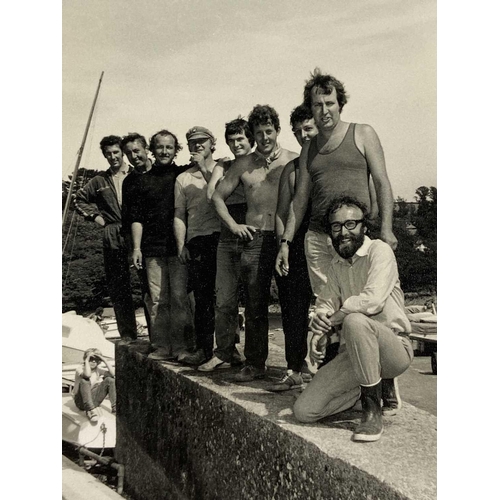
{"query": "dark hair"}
pixel 132 137
pixel 239 126
pixel 300 114
pixel 109 140
pixel 337 203
pixel 325 84
pixel 262 115
pixel 164 133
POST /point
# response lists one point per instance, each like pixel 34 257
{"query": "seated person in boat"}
pixel 93 382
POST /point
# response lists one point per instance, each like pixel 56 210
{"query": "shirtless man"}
pixel 339 160
pixel 240 140
pixel 259 172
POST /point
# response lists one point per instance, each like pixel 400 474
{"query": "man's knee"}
pixel 355 324
pixel 303 413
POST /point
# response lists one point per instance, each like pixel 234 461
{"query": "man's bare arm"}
pixel 285 194
pixel 217 174
pixel 180 231
pixel 374 155
pixel 136 240
pixel 223 190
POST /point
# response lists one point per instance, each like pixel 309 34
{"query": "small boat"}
pixel 78 335
pixel 77 429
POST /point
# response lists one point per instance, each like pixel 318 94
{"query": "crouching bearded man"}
pixel 363 301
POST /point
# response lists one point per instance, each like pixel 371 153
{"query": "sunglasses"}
pixel 94 360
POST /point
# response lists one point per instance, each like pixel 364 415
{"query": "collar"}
pixel 124 172
pixel 268 159
pixel 361 252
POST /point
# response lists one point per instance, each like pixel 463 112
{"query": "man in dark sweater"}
pixel 152 215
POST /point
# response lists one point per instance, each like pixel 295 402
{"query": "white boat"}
pixel 78 335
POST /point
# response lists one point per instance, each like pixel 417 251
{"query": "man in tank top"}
pixel 339 160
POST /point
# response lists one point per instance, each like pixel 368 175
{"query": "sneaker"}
pixel 92 415
pixel 161 354
pixel 214 364
pixel 249 373
pixel 391 400
pixel 195 359
pixel 290 380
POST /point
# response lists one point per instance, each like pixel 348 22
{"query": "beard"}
pixel 347 246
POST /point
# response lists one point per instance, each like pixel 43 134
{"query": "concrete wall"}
pixel 184 435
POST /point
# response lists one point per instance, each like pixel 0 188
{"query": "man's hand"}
pixel 100 221
pixel 281 265
pixel 317 349
pixel 184 255
pixel 321 323
pixel 137 258
pixel 388 236
pixel 337 318
pixel 198 159
pixel 244 231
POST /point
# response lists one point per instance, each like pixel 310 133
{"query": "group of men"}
pixel 209 225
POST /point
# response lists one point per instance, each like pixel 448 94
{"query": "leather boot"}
pixel 371 427
pixel 391 402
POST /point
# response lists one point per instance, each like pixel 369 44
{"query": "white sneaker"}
pixel 213 364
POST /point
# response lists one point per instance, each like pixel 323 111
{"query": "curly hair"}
pixel 132 137
pixel 325 85
pixel 239 126
pixel 164 133
pixel 300 114
pixel 337 203
pixel 262 115
pixel 109 140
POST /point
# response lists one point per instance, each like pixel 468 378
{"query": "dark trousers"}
pixel 117 271
pixel 202 268
pixel 295 296
pixel 87 398
pixel 257 265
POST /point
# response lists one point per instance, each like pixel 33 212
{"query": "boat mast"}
pixel 80 153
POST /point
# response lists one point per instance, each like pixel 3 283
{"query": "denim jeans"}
pixel 372 351
pixel 116 267
pixel 229 252
pixel 295 296
pixel 170 310
pixel 87 398
pixel 319 253
pixel 202 268
pixel 257 265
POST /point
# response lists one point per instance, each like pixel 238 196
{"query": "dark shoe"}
pixel 290 380
pixel 128 340
pixel 161 354
pixel 236 358
pixel 391 401
pixel 249 373
pixel 371 427
pixel 92 415
pixel 194 359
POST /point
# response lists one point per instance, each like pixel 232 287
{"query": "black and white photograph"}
pixel 249 249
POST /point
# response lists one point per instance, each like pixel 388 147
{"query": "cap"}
pixel 199 133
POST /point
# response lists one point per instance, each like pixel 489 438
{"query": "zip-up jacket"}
pixel 99 197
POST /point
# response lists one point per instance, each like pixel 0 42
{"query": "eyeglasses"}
pixel 351 224
pixel 94 360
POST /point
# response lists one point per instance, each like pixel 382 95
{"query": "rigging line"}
pixel 71 253
pixel 84 179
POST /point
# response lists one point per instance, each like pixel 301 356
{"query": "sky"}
pixel 176 64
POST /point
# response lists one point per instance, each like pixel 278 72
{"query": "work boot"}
pixel 371 427
pixel 391 401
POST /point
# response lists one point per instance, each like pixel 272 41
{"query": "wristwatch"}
pixel 283 240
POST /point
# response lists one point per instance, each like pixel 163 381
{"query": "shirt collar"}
pixel 268 159
pixel 362 251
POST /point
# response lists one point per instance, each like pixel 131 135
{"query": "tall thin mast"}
pixel 80 153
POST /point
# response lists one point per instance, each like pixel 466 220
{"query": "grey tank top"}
pixel 341 171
